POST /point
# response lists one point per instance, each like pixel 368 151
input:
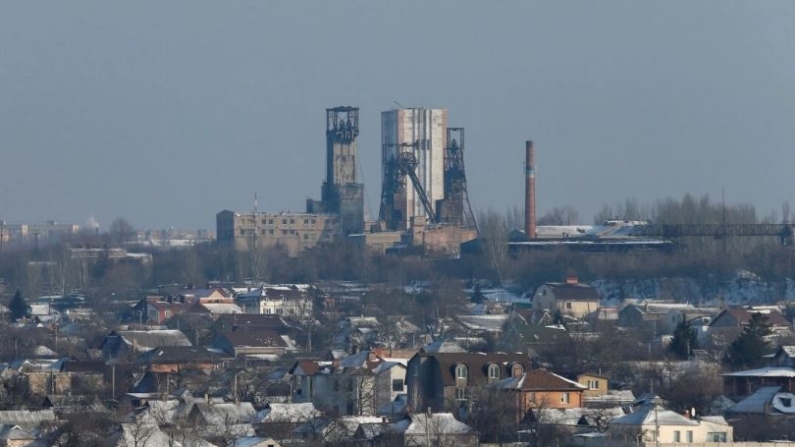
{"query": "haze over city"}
pixel 166 113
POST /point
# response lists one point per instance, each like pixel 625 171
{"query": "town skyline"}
pixel 112 111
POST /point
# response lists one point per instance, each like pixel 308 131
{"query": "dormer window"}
pixel 494 372
pixel 517 370
pixel 461 372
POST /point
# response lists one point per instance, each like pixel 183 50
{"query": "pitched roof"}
pixel 26 419
pixel 179 354
pixel 573 292
pixel 742 316
pixel 247 321
pixel 540 380
pixel 477 365
pixel 756 402
pixel 294 412
pixel 225 413
pixel 653 414
pixel 437 424
pixel 260 338
pixel 145 340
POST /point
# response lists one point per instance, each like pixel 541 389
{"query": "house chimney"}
pixel 530 192
pixel 571 279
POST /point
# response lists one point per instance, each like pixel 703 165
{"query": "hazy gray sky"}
pixel 168 112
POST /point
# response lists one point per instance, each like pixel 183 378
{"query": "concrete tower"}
pixel 422 132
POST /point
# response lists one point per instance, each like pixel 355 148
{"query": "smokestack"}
pixel 530 192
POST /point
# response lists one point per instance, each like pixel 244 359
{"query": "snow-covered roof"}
pixel 443 346
pixel 253 441
pixel 436 423
pixel 768 371
pixel 654 414
pixel 26 419
pixel 225 413
pixel 761 399
pixel 492 323
pixel 223 308
pixel 294 412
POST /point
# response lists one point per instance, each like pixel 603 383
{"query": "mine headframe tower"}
pixel 394 189
pixel 455 208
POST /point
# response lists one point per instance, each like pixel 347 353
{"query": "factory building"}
pixel 292 231
pixel 339 212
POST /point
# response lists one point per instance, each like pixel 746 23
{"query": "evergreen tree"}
pixel 18 307
pixel 477 294
pixel 751 345
pixel 684 341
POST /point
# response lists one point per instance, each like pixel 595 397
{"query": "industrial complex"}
pixel 424 205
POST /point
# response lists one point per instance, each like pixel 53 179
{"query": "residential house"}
pixel 445 380
pixel 661 317
pixel 208 295
pixel 784 356
pixel 15 436
pixel 437 429
pixel 173 359
pixel 570 298
pixel 251 322
pixel 768 413
pixel 539 389
pixel 596 384
pixel 293 300
pixel 652 423
pixel 157 310
pixel 264 344
pixel 121 343
pixel 231 419
pixel 359 384
pixel 280 419
pixel 744 383
pixel 739 317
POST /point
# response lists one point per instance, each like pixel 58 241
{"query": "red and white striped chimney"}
pixel 530 192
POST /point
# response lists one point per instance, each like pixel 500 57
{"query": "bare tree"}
pixel 560 215
pixel 121 231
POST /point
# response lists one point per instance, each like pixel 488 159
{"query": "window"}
pixel 690 436
pixel 517 370
pixel 460 394
pixel 168 314
pixel 313 221
pixel 593 384
pixel 270 221
pixel 306 221
pixel 306 236
pixel 270 231
pixel 716 436
pixel 568 305
pixel 494 372
pixel 284 221
pixel 264 221
pixel 292 221
pixel 786 401
pixel 677 436
pixel 461 372
pixel 565 398
pixel 397 385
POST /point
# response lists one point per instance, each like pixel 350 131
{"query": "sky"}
pixel 166 113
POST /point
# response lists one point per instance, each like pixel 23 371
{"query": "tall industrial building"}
pixel 413 141
pixel 341 194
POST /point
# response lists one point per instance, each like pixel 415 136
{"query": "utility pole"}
pixel 2 236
